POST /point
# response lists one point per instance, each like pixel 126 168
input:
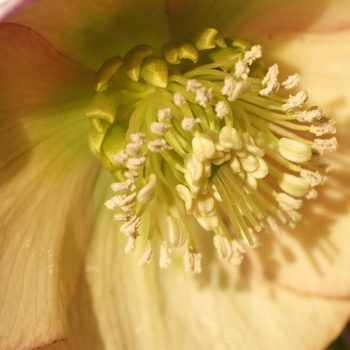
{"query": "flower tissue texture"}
pixel 65 278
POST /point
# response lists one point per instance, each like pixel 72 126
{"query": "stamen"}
pixel 270 81
pixel 296 101
pixel 179 100
pixel 146 257
pixel 192 261
pixel 292 81
pixel 194 134
pixel 189 123
pixel 164 259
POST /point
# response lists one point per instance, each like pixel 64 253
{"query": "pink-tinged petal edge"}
pixel 10 7
pixel 46 179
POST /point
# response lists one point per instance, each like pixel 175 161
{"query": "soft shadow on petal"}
pixel 46 179
pixel 296 16
pixel 234 17
pixel 315 257
pixel 224 308
pixel 90 31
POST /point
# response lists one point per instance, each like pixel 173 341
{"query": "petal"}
pixel 46 176
pixel 248 18
pixel 90 31
pixel 315 257
pixel 121 306
pixel 9 7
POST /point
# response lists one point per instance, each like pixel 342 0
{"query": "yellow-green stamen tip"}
pixel 201 132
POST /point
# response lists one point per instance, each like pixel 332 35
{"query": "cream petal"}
pixel 297 16
pixel 90 31
pixel 248 18
pixel 46 176
pixel 121 306
pixel 315 257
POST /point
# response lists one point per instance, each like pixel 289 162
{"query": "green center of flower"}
pixel 201 131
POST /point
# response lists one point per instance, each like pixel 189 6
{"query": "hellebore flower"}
pixel 64 274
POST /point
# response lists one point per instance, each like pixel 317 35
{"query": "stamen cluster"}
pixel 201 132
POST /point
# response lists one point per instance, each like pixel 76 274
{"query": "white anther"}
pixel 314 178
pixel 164 257
pixel 179 100
pixel 292 81
pixel 312 194
pixel 203 147
pixel 229 86
pixel 204 96
pixel 131 245
pixel 110 204
pixel 133 149
pixel 234 90
pixel 131 226
pixel 192 261
pixel 164 114
pixel 237 254
pixel 123 201
pixel 312 114
pixel 160 128
pixel 296 101
pixel 294 150
pixel 132 175
pixel 322 146
pixel 223 246
pixel 135 163
pixel 121 186
pixel 294 185
pixel 253 54
pixel 120 158
pixel 188 123
pixel 176 231
pixel 148 192
pixel 138 138
pixel 193 85
pixel 270 81
pixel 146 256
pixel 325 128
pixel 271 226
pixel 158 145
pixel 221 109
pixel 287 202
pixel 293 217
pixel 241 69
pixel 185 194
pixel 121 217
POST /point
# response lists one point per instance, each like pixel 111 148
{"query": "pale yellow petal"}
pixel 122 306
pixel 248 18
pixel 46 176
pixel 315 257
pixel 90 31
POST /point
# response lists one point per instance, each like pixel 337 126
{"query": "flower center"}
pixel 201 132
